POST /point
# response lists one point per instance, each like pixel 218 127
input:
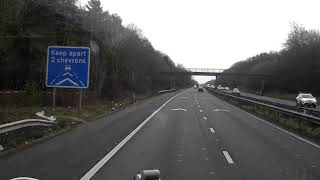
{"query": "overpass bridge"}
pixel 211 72
pixel 214 72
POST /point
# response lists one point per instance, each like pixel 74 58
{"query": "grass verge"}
pixel 25 136
pixel 67 118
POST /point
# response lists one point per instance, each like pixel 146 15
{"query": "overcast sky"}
pixel 215 33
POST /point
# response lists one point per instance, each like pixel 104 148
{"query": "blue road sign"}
pixel 68 67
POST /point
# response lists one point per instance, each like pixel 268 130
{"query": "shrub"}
pixel 316 132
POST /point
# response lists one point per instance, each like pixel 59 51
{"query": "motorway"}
pixel 187 136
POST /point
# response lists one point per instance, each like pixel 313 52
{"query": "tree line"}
pixel 293 69
pixel 122 59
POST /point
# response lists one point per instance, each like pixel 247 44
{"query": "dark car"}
pixel 200 89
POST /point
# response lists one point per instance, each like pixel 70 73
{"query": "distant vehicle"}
pixel 200 89
pixel 148 174
pixel 306 99
pixel 236 92
pixel 226 89
pixel 208 85
pixel 212 86
pixel 195 86
pixel 220 88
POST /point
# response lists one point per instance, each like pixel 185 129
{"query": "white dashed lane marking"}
pixel 179 109
pixel 212 130
pixel 228 157
pixel 224 110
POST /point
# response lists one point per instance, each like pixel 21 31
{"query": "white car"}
pixel 226 89
pixel 235 91
pixel 220 88
pixel 306 99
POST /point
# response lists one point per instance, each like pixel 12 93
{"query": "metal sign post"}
pixel 68 67
pixel 54 98
pixel 80 99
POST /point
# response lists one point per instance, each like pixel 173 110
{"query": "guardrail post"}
pixel 275 115
pixel 263 111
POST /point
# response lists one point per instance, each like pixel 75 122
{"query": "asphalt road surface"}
pixel 191 136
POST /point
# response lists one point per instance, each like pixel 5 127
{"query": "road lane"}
pixel 260 150
pixel 173 142
pixel 220 142
pixel 241 146
pixel 272 99
pixel 70 155
pixel 281 101
pixel 107 157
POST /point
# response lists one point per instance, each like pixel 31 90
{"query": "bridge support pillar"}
pixel 171 82
pixel 215 82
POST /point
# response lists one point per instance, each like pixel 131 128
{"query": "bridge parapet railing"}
pixel 209 70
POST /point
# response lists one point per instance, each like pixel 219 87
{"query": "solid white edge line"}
pixel 279 128
pixel 228 157
pixel 212 130
pixel 107 157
